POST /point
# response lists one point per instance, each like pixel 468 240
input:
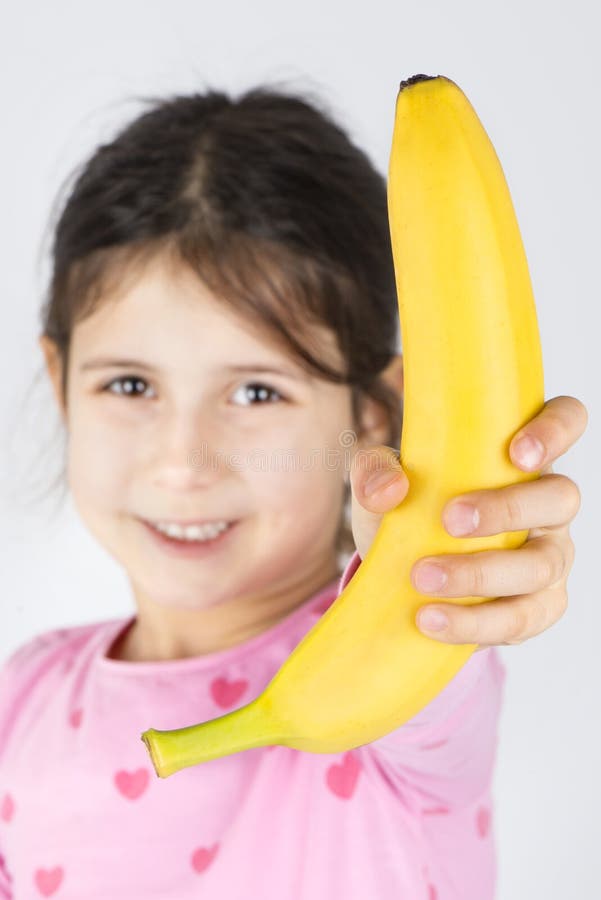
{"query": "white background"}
pixel 70 75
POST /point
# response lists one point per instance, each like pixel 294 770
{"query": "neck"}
pixel 159 634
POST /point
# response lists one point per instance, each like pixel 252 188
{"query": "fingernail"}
pixel 433 620
pixel 529 452
pixel 462 518
pixel 378 480
pixel 430 577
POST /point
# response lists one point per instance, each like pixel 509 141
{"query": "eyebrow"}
pixel 107 363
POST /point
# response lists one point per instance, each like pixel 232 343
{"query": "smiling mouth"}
pixel 193 536
pixel 185 523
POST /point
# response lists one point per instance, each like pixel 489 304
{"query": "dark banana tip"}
pixel 414 79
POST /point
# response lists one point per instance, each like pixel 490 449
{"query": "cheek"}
pixel 302 487
pixel 99 460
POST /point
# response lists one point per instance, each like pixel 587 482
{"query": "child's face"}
pixel 197 442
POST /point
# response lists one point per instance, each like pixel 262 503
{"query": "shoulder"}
pixel 38 664
pixel 42 649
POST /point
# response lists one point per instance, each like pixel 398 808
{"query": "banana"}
pixel 473 377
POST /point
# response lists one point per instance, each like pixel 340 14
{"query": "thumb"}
pixel 378 482
pixel 370 499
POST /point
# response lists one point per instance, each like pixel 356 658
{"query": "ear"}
pixel 374 420
pixel 54 367
pixel 393 374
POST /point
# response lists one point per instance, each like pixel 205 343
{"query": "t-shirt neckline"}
pixel 208 660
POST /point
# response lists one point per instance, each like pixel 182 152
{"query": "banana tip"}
pixel 146 737
pixel 414 80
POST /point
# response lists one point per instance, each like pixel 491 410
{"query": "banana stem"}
pixel 242 729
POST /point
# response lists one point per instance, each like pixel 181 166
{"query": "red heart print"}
pixel 483 821
pixel 203 857
pixel 75 717
pixel 7 809
pixel 225 693
pixel 436 811
pixel 132 784
pixel 432 892
pixel 48 880
pixel 342 778
pixel 435 745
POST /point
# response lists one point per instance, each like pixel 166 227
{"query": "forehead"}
pixel 166 311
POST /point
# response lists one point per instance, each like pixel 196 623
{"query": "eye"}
pixel 258 391
pixel 129 386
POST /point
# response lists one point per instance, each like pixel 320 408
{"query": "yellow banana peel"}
pixel 473 377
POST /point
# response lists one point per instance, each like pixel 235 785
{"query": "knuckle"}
pixel 570 492
pixel 570 554
pixel 549 562
pixel 471 628
pixel 547 608
pixel 553 563
pixel 532 614
pixel 518 623
pixel 544 574
pixel 477 577
pixel 563 561
pixel 575 497
pixel 513 507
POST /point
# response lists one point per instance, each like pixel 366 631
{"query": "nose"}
pixel 184 457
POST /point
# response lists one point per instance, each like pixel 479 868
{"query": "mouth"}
pixel 196 544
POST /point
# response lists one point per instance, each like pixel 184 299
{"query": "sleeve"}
pixel 446 753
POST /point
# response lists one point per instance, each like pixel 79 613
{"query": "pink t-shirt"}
pixel 83 815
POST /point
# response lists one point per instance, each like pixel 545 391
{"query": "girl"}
pixel 220 333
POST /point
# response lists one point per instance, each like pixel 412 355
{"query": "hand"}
pixel 530 579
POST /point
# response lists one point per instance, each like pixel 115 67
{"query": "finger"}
pixel 549 434
pixel 537 564
pixel 378 482
pixel 550 501
pixel 509 620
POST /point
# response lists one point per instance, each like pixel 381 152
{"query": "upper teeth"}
pixel 191 532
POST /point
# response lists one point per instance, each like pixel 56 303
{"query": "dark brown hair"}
pixel 273 207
